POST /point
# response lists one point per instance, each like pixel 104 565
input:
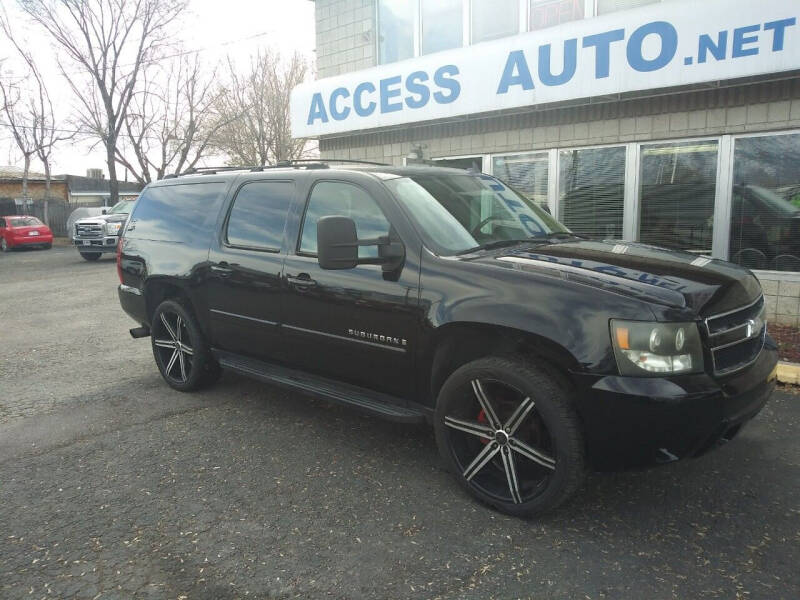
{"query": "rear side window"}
pixel 258 215
pixel 177 212
pixel 333 198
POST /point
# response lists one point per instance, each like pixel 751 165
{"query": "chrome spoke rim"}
pixel 168 327
pixel 469 427
pixel 181 353
pixel 481 460
pixel 519 415
pixel 164 343
pixel 511 474
pixel 182 362
pixel 535 455
pixel 172 361
pixel 483 400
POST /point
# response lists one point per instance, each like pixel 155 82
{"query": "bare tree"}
pixel 111 42
pixel 254 111
pixel 20 121
pixel 170 121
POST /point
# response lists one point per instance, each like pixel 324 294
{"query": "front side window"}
pixel 549 13
pixel 123 207
pixel 678 186
pixel 459 213
pixel 258 215
pixel 442 25
pixel 765 203
pixel 493 19
pixel 395 30
pixel 339 199
pixel 592 191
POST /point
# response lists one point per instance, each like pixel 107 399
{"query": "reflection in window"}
pixel 765 211
pixel 608 6
pixel 526 173
pixel 442 25
pixel 678 185
pixel 259 214
pixel 591 191
pixel 492 19
pixel 547 13
pixel 395 30
pixel 331 198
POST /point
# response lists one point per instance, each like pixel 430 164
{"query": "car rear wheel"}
pixel 90 256
pixel 182 354
pixel 509 432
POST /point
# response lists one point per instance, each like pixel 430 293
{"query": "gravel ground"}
pixel 112 485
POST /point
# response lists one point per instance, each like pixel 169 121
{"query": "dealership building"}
pixel 673 122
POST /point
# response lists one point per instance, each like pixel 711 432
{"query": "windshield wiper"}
pixel 500 244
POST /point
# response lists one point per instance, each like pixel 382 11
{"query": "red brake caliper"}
pixel 482 419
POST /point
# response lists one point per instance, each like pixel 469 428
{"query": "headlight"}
pixel 113 228
pixel 642 347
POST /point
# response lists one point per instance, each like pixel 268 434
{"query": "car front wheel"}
pixel 182 355
pixel 509 432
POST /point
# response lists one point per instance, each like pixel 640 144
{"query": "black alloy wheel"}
pixel 510 434
pixel 182 356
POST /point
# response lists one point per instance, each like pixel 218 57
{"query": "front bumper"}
pixel 104 244
pixel 642 421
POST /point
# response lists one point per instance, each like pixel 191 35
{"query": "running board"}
pixel 375 403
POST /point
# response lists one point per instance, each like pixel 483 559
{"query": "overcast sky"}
pixel 214 27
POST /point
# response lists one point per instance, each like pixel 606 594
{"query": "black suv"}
pixel 441 295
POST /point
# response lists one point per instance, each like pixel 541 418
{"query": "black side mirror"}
pixel 338 243
pixel 105 211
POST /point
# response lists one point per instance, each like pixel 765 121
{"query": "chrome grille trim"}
pixel 748 312
pixel 88 230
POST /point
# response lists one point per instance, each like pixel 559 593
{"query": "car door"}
pixel 357 325
pixel 245 263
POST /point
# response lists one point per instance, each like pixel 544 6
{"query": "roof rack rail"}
pixel 308 163
pixel 338 160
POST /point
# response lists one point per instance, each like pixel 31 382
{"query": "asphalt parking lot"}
pixel 112 485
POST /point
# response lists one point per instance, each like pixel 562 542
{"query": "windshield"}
pixel 122 207
pixel 25 222
pixel 462 212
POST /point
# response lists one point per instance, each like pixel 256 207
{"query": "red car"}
pixel 22 230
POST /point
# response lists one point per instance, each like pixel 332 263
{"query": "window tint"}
pixel 395 30
pixel 259 213
pixel 442 25
pixel 332 198
pixel 492 19
pixel 177 212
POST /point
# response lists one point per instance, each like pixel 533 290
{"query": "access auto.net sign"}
pixel 659 46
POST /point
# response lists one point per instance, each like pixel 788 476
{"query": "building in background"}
pixel 674 123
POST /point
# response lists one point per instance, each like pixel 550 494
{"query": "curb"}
pixel 789 373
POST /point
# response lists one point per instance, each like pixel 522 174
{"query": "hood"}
pixel 667 277
pixel 101 219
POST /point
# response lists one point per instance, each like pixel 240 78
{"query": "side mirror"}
pixel 105 211
pixel 338 244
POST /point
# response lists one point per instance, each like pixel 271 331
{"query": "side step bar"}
pixel 375 403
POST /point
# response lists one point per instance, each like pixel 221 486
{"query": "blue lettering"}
pixel 530 224
pixel 317 110
pixel 779 27
pixel 514 205
pixel 440 77
pixel 669 45
pixel 570 60
pixel 414 85
pixel 717 50
pixel 602 43
pixel 339 115
pixel 516 72
pixel 611 270
pixel 358 95
pixel 388 91
pixel 740 39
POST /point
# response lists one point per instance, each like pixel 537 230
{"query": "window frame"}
pixel 232 203
pixel 297 250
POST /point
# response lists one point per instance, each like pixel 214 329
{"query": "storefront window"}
pixel 677 190
pixel 395 30
pixel 493 19
pixel 592 190
pixel 608 6
pixel 442 25
pixel 765 203
pixel 548 13
pixel 526 173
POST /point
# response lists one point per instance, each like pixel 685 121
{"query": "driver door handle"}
pixel 302 281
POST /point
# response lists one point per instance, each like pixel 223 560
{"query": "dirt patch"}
pixel 788 339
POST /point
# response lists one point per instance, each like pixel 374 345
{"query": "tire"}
pixel 184 365
pixel 534 460
pixel 4 245
pixel 90 256
pixel 47 246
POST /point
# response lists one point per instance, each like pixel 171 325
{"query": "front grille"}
pixel 88 230
pixel 736 338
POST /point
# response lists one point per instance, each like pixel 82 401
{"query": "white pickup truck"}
pixel 95 235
